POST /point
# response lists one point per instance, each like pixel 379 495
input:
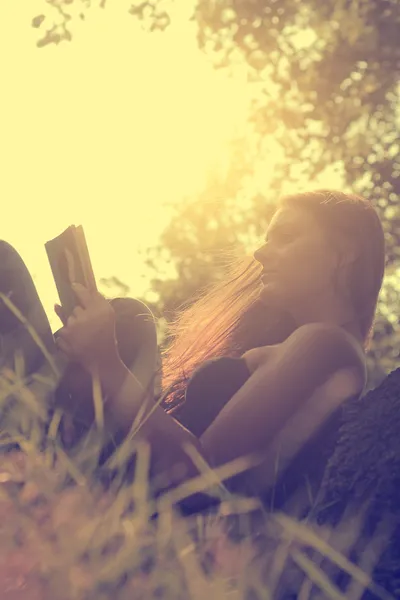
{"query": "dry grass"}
pixel 64 537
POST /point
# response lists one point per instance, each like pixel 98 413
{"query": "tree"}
pixel 55 22
pixel 335 67
pixel 328 74
pixel 363 473
pixel 206 233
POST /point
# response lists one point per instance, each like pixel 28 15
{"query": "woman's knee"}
pixel 135 328
pixel 131 306
pixel 132 314
pixel 13 275
pixel 17 285
pixel 9 255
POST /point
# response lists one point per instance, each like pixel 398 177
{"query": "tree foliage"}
pixel 206 233
pixel 57 19
pixel 336 68
pixel 329 75
pixel 328 80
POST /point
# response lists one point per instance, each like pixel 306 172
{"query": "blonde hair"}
pixel 227 318
pixel 352 218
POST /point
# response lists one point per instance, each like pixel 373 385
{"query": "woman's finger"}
pixel 71 320
pixel 78 312
pixel 84 295
pixel 58 309
pixel 63 345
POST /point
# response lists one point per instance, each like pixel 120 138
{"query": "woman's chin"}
pixel 269 295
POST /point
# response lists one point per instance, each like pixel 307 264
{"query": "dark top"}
pixel 210 387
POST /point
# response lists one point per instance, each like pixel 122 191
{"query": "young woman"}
pixel 283 340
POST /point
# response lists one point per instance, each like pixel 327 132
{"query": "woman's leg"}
pixel 135 325
pixel 137 344
pixel 17 284
pixel 137 338
pixel 135 332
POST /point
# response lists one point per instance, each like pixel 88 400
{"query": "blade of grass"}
pixel 138 421
pixel 45 380
pixel 197 584
pixel 140 488
pixel 278 564
pixel 55 424
pixel 98 402
pixel 316 575
pixel 19 364
pixel 200 483
pixel 70 467
pixel 308 536
pixel 31 330
pixel 18 387
pixel 369 558
pixel 205 468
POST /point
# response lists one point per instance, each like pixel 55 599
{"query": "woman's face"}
pixel 298 259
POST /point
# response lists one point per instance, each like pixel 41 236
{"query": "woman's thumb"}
pixel 60 313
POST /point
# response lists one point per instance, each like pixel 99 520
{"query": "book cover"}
pixel 70 263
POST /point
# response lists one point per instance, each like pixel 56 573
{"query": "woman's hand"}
pixel 258 357
pixel 88 336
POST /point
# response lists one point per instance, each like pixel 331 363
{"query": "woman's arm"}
pixel 125 400
pixel 305 361
pixel 277 389
pixel 89 338
pixel 250 420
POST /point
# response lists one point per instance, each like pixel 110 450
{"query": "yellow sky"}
pixel 103 131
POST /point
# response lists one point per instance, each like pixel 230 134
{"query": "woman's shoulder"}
pixel 329 339
pixel 314 336
pixel 257 357
pixel 323 345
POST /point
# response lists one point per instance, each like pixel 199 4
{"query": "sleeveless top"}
pixel 209 389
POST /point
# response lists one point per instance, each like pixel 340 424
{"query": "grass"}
pixel 63 536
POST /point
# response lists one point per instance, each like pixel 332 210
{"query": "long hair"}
pixel 228 318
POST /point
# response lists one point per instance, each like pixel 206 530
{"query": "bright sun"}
pixel 104 131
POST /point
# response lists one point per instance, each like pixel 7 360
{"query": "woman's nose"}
pixel 260 253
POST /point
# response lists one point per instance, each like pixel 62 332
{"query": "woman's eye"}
pixel 279 235
pixel 283 236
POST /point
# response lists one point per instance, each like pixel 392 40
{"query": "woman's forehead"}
pixel 289 216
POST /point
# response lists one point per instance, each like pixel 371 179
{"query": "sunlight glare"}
pixel 105 132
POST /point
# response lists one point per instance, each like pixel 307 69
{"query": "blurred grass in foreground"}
pixel 63 536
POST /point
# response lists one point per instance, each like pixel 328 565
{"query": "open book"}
pixel 70 263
